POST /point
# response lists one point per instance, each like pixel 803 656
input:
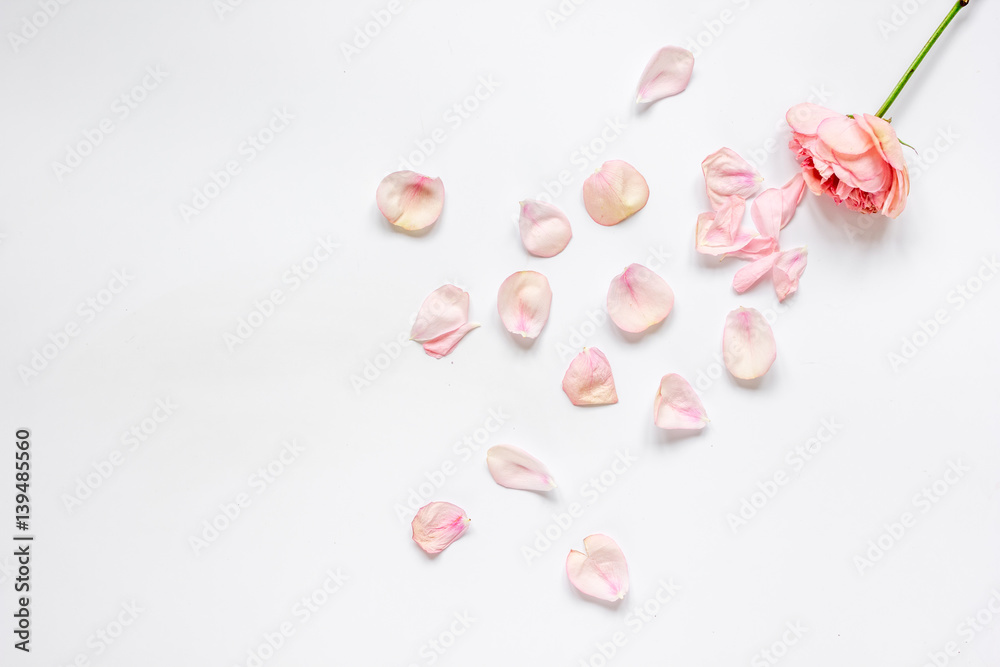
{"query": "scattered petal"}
pixel 523 302
pixel 718 232
pixel 437 525
pixel 517 469
pixel 791 193
pixel 748 344
pixel 726 173
pixel 614 192
pixel 588 380
pixel 766 212
pixel 638 299
pixel 750 275
pixel 442 321
pixel 754 248
pixel 667 74
pixel 602 572
pixel 410 200
pixel 677 406
pixel 545 230
pixel 787 269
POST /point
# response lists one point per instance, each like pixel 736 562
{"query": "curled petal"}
pixel 750 275
pixel 748 347
pixel 437 525
pixel 638 298
pixel 787 269
pixel 523 302
pixel 726 173
pixel 791 195
pixel 754 248
pixel 767 212
pixel 588 380
pixel 410 200
pixel 677 406
pixel 614 192
pixel 545 230
pixel 442 321
pixel 517 469
pixel 667 73
pixel 602 572
pixel 718 232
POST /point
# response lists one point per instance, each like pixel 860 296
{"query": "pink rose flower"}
pixel 857 161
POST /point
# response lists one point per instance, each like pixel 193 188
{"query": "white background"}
pixel 869 283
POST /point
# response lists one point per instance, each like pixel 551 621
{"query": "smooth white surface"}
pixel 334 506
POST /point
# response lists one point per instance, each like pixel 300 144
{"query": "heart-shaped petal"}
pixel 437 525
pixel 517 469
pixel 787 269
pixel 677 406
pixel 726 174
pixel 748 347
pixel 638 298
pixel 614 192
pixel 545 230
pixel 523 302
pixel 602 572
pixel 410 200
pixel 588 380
pixel 667 73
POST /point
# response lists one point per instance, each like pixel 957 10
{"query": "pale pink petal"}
pixel 517 469
pixel 437 525
pixel 523 303
pixel 614 192
pixel 638 298
pixel 750 275
pixel 748 347
pixel 718 232
pixel 754 248
pixel 677 406
pixel 444 310
pixel 667 73
pixel 766 212
pixel 844 136
pixel 787 269
pixel 805 118
pixel 791 195
pixel 602 572
pixel 409 200
pixel 445 343
pixel 726 173
pixel 588 380
pixel 545 230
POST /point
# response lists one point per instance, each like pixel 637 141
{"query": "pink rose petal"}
pixel 677 406
pixel 442 321
pixel 754 248
pixel 667 73
pixel 614 192
pixel 517 469
pixel 602 572
pixel 748 347
pixel 523 303
pixel 750 275
pixel 638 299
pixel 437 525
pixel 545 230
pixel 791 194
pixel 718 232
pixel 726 174
pixel 767 212
pixel 787 269
pixel 588 380
pixel 409 200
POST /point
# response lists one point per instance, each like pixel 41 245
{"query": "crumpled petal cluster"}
pixel 438 524
pixel 602 572
pixel 857 161
pixel 409 200
pixel 515 468
pixel 442 321
pixel 588 380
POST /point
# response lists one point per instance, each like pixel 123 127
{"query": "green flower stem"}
pixel 920 57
